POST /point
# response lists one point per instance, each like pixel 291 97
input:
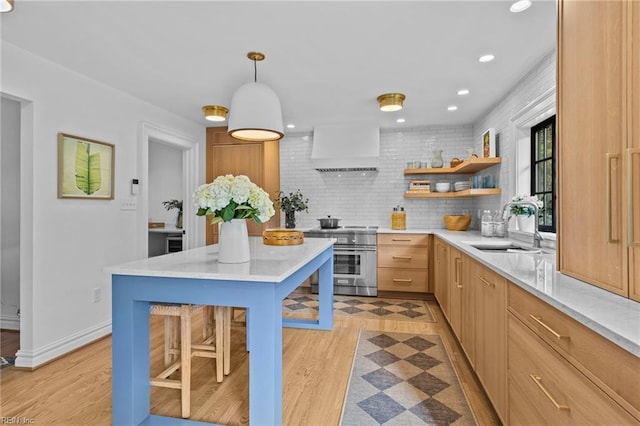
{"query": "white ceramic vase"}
pixel 525 223
pixel 234 242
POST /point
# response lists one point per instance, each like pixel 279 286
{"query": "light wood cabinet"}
pixel 259 161
pixel 468 297
pixel 491 335
pixel 588 352
pixel 441 275
pixel 403 262
pixel 456 284
pixel 546 389
pixel 599 211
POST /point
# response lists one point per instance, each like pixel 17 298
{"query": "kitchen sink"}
pixel 503 246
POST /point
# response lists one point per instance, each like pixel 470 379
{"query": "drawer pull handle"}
pixel 546 327
pixel 403 257
pixel 402 280
pixel 457 278
pixel 538 381
pixel 401 239
pixel 487 282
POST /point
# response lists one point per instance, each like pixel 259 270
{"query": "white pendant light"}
pixel 255 111
pixel 6 6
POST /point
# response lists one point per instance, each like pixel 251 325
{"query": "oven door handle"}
pixel 352 249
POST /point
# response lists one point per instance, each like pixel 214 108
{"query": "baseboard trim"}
pixel 32 359
pixel 10 322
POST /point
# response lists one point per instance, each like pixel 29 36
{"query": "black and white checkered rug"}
pixel 403 380
pixel 361 307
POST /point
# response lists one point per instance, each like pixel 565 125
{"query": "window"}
pixel 543 175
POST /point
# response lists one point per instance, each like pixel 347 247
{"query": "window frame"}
pixel 533 169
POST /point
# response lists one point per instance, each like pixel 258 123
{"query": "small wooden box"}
pixel 156 225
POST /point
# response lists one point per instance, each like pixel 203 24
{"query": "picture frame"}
pixel 489 143
pixel 85 168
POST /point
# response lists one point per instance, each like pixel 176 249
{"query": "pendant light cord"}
pixel 255 71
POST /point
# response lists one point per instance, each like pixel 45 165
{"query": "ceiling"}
pixel 326 60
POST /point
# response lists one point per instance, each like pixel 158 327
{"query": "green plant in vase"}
pixel 290 204
pixel 175 204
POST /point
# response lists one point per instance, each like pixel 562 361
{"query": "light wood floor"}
pixel 9 342
pixel 76 389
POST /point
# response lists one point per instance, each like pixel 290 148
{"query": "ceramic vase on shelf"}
pixel 437 161
pixel 289 219
pixel 233 244
pixel 525 222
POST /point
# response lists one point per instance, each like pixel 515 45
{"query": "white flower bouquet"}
pixel 233 197
pixel 526 210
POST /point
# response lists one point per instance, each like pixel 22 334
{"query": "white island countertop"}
pixel 612 316
pixel 267 264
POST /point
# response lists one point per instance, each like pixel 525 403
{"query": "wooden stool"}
pixel 177 340
pixel 217 315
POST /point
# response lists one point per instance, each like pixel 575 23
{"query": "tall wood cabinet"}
pixel 599 143
pixel 260 161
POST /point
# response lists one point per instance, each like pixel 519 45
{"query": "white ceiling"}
pixel 327 60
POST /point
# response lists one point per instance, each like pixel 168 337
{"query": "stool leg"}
pixel 219 315
pixel 168 329
pixel 227 339
pixel 185 359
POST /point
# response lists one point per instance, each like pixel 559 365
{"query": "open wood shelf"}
pixel 471 165
pixel 467 193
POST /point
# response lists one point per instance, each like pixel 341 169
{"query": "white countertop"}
pixel 268 263
pixel 610 315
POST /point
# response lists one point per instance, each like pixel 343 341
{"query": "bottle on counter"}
pixel 498 225
pixel 486 227
pixel 398 218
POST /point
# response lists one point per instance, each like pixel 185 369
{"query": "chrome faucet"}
pixel 537 237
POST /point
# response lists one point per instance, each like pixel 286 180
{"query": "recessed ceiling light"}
pixel 486 58
pixel 452 108
pixel 400 120
pixel 520 6
pixel 463 92
pixel 291 126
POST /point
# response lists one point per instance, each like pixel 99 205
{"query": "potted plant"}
pixel 175 204
pixel 290 204
pixel 525 212
pixel 231 200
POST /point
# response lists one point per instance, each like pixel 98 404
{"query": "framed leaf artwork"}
pixel 85 168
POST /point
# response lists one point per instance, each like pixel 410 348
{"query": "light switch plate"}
pixel 128 204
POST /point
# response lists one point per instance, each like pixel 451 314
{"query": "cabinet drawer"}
pixel 608 365
pixel 403 257
pixel 391 279
pixel 542 383
pixel 404 239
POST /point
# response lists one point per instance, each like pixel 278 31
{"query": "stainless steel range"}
pixel 354 259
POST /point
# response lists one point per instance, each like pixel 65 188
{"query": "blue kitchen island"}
pixel 194 276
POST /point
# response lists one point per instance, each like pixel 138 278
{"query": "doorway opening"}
pixel 167 148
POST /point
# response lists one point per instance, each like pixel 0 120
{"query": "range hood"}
pixel 345 147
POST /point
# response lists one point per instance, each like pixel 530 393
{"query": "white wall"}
pixel 10 215
pixel 69 242
pixel 533 85
pixel 367 198
pixel 165 181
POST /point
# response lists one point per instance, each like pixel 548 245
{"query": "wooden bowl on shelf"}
pixel 282 237
pixel 454 222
